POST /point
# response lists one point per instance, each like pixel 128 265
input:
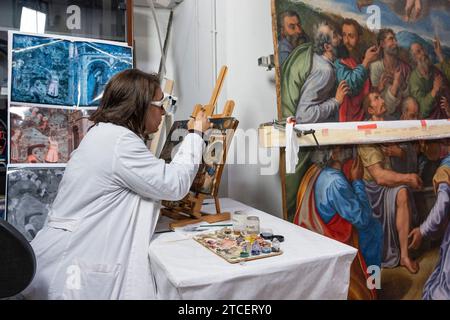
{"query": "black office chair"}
pixel 17 261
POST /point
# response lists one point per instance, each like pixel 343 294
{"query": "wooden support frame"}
pixel 354 133
pixel 282 165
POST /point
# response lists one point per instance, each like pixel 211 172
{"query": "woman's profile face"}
pixel 154 114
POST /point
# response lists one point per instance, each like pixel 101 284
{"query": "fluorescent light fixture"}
pixel 32 21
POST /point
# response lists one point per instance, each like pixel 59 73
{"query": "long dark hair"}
pixel 126 100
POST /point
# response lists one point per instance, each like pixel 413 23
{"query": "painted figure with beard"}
pixel 308 93
pixel 438 285
pixel 406 161
pixel 389 193
pixel 390 74
pixel 414 156
pixel 292 34
pixel 410 109
pixel 428 84
pixel 337 207
pixel 354 70
pixel 319 99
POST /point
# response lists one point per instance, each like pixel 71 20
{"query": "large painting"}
pixel 31 192
pixel 56 71
pixel 405 59
pixel 371 62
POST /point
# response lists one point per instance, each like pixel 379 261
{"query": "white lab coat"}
pixel 95 243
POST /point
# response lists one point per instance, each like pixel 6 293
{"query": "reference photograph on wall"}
pixel 63 71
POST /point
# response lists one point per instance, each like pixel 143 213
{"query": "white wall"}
pixel 244 33
pixel 247 29
pixel 190 57
pixel 147 50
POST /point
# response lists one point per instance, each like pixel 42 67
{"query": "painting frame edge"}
pixel 282 164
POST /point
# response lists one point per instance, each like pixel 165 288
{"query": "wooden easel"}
pixel 209 108
pixel 188 210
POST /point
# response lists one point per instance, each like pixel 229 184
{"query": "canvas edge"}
pixel 282 164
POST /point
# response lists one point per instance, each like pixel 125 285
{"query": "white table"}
pixel 311 266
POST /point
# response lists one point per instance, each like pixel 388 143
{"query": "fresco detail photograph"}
pixel 46 135
pixel 31 192
pixel 61 72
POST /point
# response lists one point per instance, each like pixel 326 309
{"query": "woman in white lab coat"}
pixel 95 242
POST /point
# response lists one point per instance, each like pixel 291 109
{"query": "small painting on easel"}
pixel 207 181
pixel 218 139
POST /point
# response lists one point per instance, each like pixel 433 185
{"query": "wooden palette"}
pixel 233 255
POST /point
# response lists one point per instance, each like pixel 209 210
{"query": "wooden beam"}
pixel 218 87
pixel 129 22
pixel 358 133
pixel 279 113
pixel 166 46
pixel 277 60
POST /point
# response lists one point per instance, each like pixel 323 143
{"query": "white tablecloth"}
pixel 311 266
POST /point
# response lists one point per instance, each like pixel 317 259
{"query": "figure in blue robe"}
pixel 437 286
pixel 355 77
pixel 335 195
